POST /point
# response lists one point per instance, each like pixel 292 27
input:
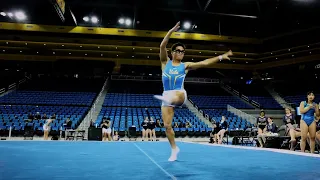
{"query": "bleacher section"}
pixel 63 97
pixel 219 102
pixel 123 117
pixel 131 100
pixel 234 121
pixel 15 116
pixel 258 93
pixel 295 94
pixel 49 98
pixel 129 108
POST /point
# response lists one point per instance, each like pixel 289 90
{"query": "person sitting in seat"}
pixel 214 132
pixel 159 124
pixel 293 129
pixel 188 124
pixel 223 127
pixel 175 125
pixel 116 136
pixel 271 130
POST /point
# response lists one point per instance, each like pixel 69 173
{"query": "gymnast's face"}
pixel 178 53
pixel 288 111
pixel 310 97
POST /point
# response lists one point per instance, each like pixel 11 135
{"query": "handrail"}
pixel 241 114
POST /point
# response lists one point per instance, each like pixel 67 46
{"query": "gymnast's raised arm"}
pixel 208 62
pixel 163 46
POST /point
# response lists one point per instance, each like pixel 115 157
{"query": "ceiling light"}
pixel 260 61
pixel 21 51
pixel 148 57
pixel 187 25
pixel 247 62
pixel 44 44
pixel 121 21
pixel 7 42
pixel 133 56
pixel 62 45
pixel 86 18
pixel 20 15
pixel 81 46
pixel 117 55
pixel 69 53
pixel 53 52
pixel 101 54
pixel 85 54
pixel 233 61
pixel 4 50
pixel 199 52
pixel 26 43
pixel 128 22
pixel 94 19
pixel 3 14
pixel 10 14
pixel 150 49
pixel 98 47
pixel 37 52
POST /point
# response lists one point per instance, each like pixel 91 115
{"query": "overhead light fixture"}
pixel 101 54
pixel 81 46
pixel 69 53
pixel 20 15
pixel 94 19
pixel 187 25
pixel 85 54
pixel 86 18
pixel 3 14
pixel 10 14
pixel 128 22
pixel 121 21
pixel 53 52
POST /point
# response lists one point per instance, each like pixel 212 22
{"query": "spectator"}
pixel 152 131
pixel 262 122
pixel 44 116
pixel 144 125
pixel 37 116
pixel 116 136
pixel 31 116
pixel 106 129
pixel 271 130
pixel 223 127
pixel 159 124
pixel 293 129
pixel 188 124
pixel 175 125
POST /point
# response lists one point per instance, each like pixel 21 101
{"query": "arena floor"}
pixel 148 160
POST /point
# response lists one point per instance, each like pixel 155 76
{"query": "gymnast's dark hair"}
pixel 175 45
pixel 309 93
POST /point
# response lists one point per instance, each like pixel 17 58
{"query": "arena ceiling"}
pixel 246 18
pixel 258 19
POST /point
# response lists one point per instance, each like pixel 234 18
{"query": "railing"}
pixel 242 114
pixel 158 78
pixel 14 86
pixel 88 118
pixel 242 96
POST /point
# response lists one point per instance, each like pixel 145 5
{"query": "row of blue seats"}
pixel 266 102
pixel 46 97
pixel 218 102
